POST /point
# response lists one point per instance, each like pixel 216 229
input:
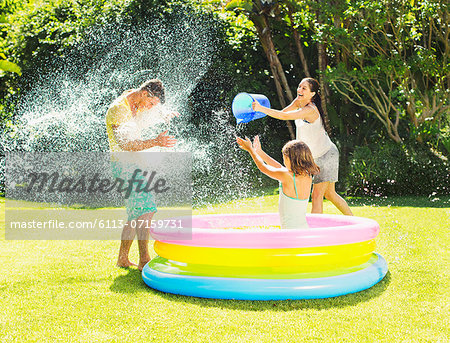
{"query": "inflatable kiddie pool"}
pixel 248 257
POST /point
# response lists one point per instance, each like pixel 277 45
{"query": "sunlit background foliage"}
pixel 383 67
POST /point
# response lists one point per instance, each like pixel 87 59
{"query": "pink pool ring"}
pixel 218 231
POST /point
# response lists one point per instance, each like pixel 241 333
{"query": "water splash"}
pixel 64 110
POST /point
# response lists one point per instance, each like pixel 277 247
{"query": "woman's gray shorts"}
pixel 329 166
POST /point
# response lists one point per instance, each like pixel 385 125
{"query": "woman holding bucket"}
pixel 313 129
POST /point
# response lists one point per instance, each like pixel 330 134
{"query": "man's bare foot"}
pixel 143 263
pixel 125 263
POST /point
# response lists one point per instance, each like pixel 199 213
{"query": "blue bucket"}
pixel 242 107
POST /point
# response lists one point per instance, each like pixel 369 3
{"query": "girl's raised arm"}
pixel 270 171
pixel 266 158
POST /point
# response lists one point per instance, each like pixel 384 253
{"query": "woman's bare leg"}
pixel 337 200
pixel 317 195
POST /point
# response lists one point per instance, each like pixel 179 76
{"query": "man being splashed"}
pixel 125 135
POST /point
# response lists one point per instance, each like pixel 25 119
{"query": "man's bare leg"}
pixel 127 237
pixel 143 238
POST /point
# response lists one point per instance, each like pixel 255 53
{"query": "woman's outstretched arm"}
pixel 308 112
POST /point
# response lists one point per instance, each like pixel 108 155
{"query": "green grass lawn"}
pixel 72 291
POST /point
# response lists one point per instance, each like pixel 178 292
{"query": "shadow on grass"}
pixel 129 283
pixel 418 201
pixel 133 283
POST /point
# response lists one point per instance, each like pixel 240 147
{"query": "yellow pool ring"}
pixel 302 272
pixel 353 254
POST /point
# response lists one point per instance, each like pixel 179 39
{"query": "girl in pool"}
pixel 295 178
pixel 313 129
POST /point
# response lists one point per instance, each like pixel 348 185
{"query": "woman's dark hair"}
pixel 300 156
pixel 315 87
pixel 154 87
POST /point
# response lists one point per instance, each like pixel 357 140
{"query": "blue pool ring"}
pixel 266 289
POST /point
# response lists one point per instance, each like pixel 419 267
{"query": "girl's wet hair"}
pixel 314 86
pixel 301 158
pixel 154 87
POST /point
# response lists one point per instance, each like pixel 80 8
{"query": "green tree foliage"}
pixel 392 60
pixel 7 7
pixel 387 61
pixel 36 33
pixel 8 69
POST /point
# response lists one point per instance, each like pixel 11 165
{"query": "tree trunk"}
pixel 321 51
pixel 273 53
pixel 301 54
pixel 322 66
pixel 298 44
pixel 276 68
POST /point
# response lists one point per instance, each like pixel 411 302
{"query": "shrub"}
pixel 396 169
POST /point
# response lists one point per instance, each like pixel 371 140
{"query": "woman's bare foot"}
pixel 125 263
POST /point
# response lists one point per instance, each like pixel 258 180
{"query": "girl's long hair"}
pixel 300 157
pixel 315 87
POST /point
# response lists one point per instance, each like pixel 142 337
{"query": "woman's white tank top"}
pixel 314 135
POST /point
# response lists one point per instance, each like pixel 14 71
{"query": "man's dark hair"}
pixel 154 87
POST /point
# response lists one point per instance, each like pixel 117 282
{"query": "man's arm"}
pixel 162 140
